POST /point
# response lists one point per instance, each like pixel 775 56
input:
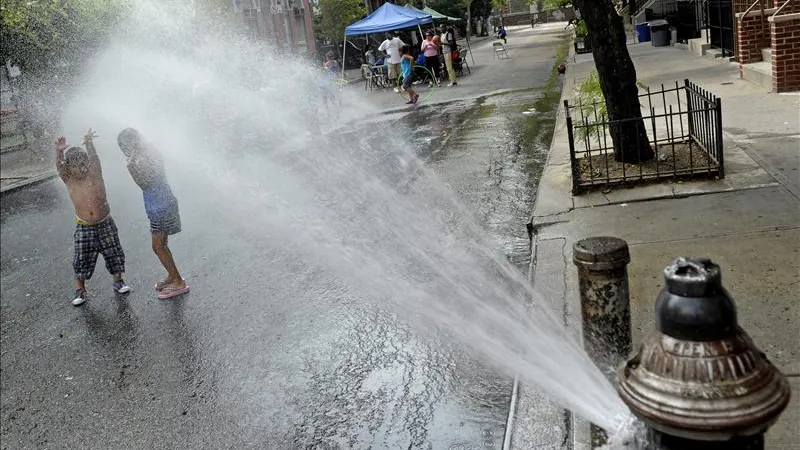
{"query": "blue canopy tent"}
pixel 388 17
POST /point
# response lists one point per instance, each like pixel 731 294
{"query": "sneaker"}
pixel 449 84
pixel 121 287
pixel 396 90
pixel 80 297
pixel 414 100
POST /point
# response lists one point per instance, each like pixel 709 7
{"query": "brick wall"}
pixel 752 34
pixel 785 32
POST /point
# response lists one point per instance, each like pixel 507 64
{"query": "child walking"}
pixel 147 169
pixel 95 231
pixel 407 65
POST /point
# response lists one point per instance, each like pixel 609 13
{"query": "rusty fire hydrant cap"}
pixel 693 305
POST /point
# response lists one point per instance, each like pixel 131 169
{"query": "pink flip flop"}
pixel 172 291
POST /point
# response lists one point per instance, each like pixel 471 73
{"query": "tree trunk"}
pixel 617 79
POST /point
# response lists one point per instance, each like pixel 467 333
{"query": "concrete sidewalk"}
pixel 749 223
pixel 22 166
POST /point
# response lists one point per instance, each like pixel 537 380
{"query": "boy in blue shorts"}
pixel 147 169
pixel 407 66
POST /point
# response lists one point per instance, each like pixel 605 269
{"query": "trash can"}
pixel 642 32
pixel 659 32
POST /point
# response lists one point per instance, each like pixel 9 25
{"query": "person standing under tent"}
pixel 391 46
pixel 431 52
pixel 449 45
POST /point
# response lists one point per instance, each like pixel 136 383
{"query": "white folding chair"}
pixel 499 50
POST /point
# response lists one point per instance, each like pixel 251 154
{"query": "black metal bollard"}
pixel 698 381
pixel 605 306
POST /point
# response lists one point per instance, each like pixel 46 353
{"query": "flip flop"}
pixel 162 284
pixel 170 291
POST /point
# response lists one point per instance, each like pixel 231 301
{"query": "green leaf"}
pixel 335 15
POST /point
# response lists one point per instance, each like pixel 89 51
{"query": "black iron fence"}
pixel 719 16
pixel 683 129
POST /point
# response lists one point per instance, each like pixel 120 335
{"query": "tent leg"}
pixel 470 52
pixel 344 52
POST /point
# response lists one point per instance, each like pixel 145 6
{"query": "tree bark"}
pixel 617 79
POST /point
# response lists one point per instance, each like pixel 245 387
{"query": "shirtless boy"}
pixel 95 231
pixel 147 169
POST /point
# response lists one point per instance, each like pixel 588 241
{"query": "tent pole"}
pixel 344 52
pixel 470 51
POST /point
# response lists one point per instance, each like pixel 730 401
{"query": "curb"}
pixel 36 179
pixel 569 441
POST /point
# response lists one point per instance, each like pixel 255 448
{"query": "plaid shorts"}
pixel 102 238
pixel 168 222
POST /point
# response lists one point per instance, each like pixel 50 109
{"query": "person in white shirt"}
pixel 448 39
pixel 392 45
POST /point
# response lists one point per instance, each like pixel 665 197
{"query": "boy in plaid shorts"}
pixel 147 169
pixel 96 231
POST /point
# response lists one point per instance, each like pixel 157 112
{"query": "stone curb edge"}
pixel 566 88
pixel 36 179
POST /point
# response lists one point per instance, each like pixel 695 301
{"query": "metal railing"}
pixel 763 33
pixel 780 8
pixel 683 125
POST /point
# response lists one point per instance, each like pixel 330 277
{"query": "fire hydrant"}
pixel 698 381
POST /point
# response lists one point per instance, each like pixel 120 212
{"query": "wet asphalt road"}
pixel 267 351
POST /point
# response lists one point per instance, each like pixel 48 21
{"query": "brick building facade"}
pixel 770 29
pixel 286 23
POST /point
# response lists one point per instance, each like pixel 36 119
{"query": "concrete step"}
pixel 759 73
pixel 766 55
pixel 699 46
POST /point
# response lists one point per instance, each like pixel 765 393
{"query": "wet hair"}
pixel 76 157
pixel 129 140
pixel 405 50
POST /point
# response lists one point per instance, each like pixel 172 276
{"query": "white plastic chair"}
pixel 499 50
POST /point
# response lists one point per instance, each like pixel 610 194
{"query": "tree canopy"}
pixel 39 33
pixel 335 15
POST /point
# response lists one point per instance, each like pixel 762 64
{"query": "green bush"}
pixel 592 106
pixel 580 30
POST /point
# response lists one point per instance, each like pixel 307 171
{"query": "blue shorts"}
pixel 407 81
pixel 167 222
